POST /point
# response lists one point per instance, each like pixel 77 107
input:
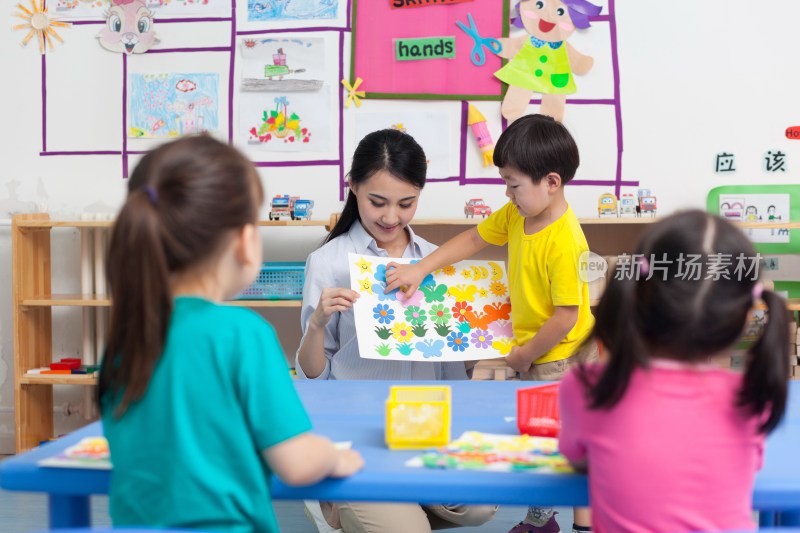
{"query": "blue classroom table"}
pixel 354 411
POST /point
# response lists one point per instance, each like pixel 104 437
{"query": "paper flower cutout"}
pixel 353 94
pixel 39 22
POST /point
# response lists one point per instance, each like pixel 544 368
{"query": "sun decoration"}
pixel 38 21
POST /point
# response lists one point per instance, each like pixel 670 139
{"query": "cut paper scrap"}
pixel 353 94
pixel 128 28
pixel 89 452
pixel 488 452
pixel 455 314
pixel 478 56
pixel 477 122
pixel 39 23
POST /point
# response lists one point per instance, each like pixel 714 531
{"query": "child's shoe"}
pixel 538 520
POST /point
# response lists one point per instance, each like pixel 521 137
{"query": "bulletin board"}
pixel 377 25
pixel 761 203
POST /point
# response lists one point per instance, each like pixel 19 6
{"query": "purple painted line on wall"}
pixel 314 163
pixel 155 21
pixel 183 50
pixel 230 73
pixel 197 19
pixel 590 183
pixel 341 117
pixel 44 103
pixel 77 152
pixel 462 156
pixel 124 116
pixel 291 30
pixel 618 107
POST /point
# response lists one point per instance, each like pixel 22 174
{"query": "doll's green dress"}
pixel 540 66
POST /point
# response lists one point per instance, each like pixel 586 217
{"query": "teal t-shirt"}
pixel 189 453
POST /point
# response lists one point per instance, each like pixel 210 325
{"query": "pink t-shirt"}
pixel 674 455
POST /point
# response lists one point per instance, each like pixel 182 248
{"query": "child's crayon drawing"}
pixel 169 105
pixel 496 453
pixel 461 312
pixel 267 10
pixel 293 122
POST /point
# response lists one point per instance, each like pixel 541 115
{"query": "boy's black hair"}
pixel 538 145
pixel 702 272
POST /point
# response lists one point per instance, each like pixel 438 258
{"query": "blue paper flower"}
pixel 383 314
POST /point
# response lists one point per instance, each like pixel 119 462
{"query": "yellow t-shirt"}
pixel 542 274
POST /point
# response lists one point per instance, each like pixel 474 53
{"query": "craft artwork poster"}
pixel 488 452
pixel 751 207
pixel 169 105
pixel 89 452
pixel 461 312
pixel 89 9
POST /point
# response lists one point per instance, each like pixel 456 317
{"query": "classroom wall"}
pixel 695 79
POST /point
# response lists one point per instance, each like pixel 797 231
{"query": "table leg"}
pixel 69 511
pixel 788 518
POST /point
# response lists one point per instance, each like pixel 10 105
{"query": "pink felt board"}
pixel 377 25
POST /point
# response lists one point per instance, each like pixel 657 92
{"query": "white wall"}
pixel 697 79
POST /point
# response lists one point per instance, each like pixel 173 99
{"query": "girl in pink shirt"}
pixel 672 443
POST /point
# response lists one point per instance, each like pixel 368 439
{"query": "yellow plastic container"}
pixel 417 417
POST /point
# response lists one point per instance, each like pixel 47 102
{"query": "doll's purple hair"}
pixel 579 12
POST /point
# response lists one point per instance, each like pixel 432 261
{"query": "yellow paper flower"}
pixel 449 270
pixel 402 332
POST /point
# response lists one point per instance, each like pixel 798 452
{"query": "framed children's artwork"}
pixel 287 111
pixel 166 105
pixel 286 122
pixel 459 313
pixel 771 204
pixel 255 15
pixel 412 49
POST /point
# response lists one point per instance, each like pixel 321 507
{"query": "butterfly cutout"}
pixel 430 348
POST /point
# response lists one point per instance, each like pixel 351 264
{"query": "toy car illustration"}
pixel 627 205
pixel 302 209
pixel 279 68
pixel 476 206
pixel 647 202
pixel 607 205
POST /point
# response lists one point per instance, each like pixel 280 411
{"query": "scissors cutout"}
pixel 477 55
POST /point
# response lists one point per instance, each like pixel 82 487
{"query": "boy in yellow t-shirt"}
pixel 550 311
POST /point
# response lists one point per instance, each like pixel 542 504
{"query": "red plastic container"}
pixel 537 411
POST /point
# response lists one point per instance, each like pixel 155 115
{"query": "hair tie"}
pixel 644 265
pixel 758 290
pixel 151 193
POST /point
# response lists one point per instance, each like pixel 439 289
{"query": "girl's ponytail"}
pixel 616 328
pixel 764 389
pixel 139 279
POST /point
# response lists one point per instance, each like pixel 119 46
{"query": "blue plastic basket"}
pixel 277 281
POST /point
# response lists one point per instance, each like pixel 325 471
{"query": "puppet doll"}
pixel 543 61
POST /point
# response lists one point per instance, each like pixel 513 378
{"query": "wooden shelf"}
pixel 47 224
pixel 58 379
pixel 66 300
pixel 79 300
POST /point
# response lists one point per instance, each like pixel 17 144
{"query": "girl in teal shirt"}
pixel 196 399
